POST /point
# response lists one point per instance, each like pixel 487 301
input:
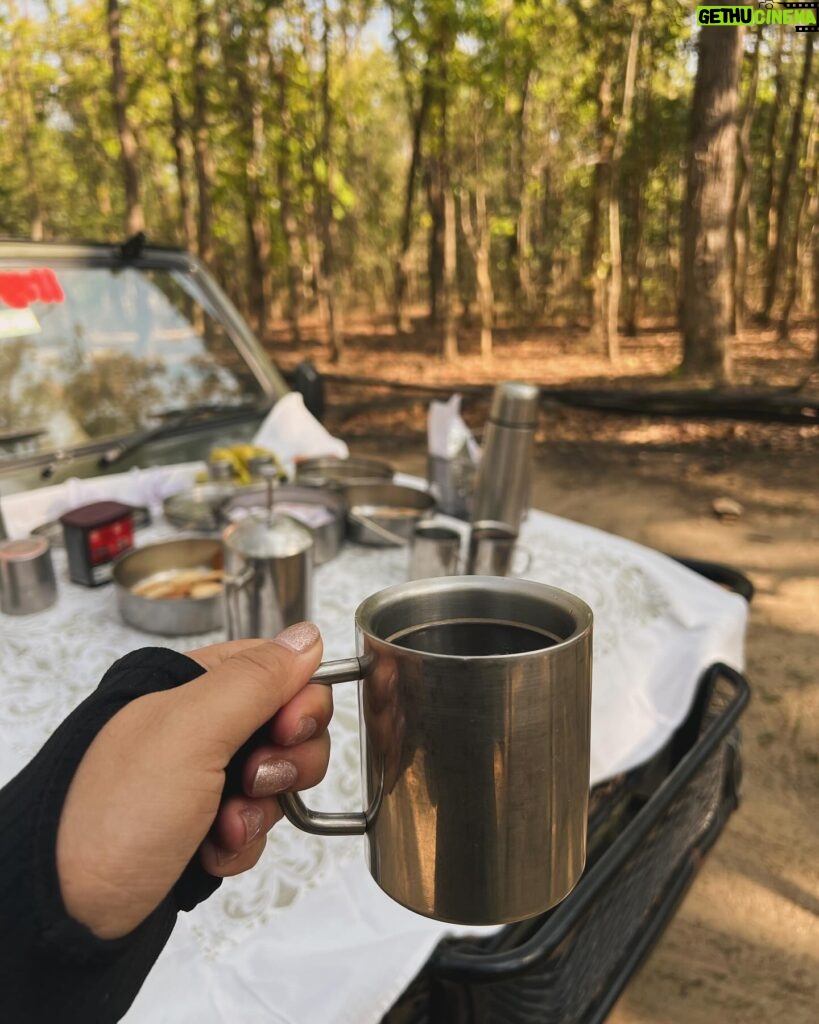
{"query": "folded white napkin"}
pixel 146 487
pixel 447 433
pixel 292 432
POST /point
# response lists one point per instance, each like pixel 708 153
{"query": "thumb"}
pixel 229 703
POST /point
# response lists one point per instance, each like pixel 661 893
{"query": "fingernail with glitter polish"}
pixel 253 817
pixel 299 637
pixel 304 730
pixel 273 777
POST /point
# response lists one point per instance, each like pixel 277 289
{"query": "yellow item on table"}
pixel 239 457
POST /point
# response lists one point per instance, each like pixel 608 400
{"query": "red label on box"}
pixel 106 542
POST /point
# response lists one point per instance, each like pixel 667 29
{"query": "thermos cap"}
pixel 515 404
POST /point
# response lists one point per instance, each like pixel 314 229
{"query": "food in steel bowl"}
pixel 197 583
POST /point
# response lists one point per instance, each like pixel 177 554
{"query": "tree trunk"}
pixel 595 273
pixel 179 142
pixel 287 217
pixel 806 189
pixel 401 316
pixel 256 77
pixel 815 246
pixel 520 283
pixel 611 325
pixel 774 261
pixel 129 151
pixel 202 158
pixel 326 199
pixel 437 179
pixel 769 204
pixel 450 349
pixel 706 300
pixel 478 239
pixel 741 223
pixel 634 264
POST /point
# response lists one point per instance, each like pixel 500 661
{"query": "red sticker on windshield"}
pixel 19 288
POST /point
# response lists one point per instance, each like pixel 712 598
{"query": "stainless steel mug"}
pixel 435 550
pixel 474 705
pixel 27 581
pixel 268 575
pixel 493 550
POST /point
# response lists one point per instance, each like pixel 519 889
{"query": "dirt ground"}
pixel 744 946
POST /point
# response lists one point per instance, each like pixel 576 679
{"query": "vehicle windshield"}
pixel 89 353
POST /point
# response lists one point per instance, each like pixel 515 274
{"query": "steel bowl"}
pixel 320 509
pixel 179 616
pixel 199 507
pixel 330 472
pixel 385 514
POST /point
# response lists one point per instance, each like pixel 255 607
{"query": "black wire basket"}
pixel 649 831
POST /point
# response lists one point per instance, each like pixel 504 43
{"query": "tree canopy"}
pixel 522 160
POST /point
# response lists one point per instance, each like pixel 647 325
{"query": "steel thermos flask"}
pixel 504 476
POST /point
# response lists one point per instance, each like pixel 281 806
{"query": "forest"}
pixel 448 163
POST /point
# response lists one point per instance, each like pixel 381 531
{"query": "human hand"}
pixel 148 794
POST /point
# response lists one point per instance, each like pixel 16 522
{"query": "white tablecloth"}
pixel 307 937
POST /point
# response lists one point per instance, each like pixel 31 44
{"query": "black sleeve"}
pixel 52 968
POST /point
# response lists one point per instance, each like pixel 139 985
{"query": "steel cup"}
pixel 474 702
pixel 492 550
pixel 27 581
pixel 435 550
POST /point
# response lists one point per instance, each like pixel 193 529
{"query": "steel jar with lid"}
pixel 268 575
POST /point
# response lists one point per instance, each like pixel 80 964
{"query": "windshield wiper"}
pixel 173 420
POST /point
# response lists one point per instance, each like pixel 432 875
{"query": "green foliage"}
pixel 515 83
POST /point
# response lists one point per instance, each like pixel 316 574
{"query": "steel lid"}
pixel 515 404
pixel 260 535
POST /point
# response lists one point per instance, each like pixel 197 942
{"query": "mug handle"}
pixel 325 823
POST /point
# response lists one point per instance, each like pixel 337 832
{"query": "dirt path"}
pixel 744 946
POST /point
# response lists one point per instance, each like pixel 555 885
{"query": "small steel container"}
pixel 27 582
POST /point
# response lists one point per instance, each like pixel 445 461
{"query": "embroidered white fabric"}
pixel 307 937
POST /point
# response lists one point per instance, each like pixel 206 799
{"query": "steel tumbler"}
pixel 474 701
